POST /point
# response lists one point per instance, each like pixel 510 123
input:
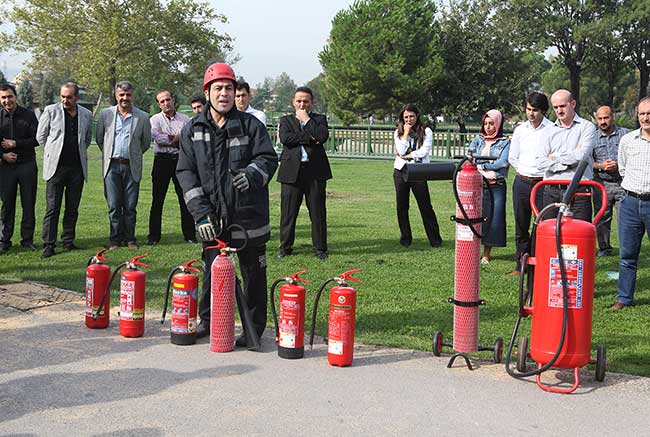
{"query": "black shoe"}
pixel 48 252
pixel 28 245
pixel 203 329
pixel 240 341
pixel 604 252
pixel 70 246
pixel 151 243
pixel 321 255
pixel 405 243
pixel 436 243
pixel 4 248
pixel 190 241
pixel 283 254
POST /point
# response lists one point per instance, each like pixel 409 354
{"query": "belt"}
pixel 166 155
pixel 120 160
pixel 495 181
pixel 529 179
pixel 638 196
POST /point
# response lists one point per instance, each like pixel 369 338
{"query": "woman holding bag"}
pixel 413 144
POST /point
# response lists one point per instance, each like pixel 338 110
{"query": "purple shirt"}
pixel 162 127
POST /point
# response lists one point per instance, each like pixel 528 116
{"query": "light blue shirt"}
pixel 122 136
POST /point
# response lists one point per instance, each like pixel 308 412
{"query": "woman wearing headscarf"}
pixel 491 142
pixel 413 143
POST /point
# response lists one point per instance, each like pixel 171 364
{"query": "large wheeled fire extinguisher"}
pixel 185 293
pixel 132 297
pixel 562 265
pixel 97 278
pixel 340 323
pixel 290 332
pixel 468 191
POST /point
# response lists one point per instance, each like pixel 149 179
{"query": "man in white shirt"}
pixel 523 148
pixel 633 164
pixel 242 97
pixel 568 142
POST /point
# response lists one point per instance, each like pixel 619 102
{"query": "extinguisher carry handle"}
pixel 189 267
pixel 296 277
pixel 136 260
pixel 347 276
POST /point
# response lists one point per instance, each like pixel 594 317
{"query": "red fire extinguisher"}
pixel 97 277
pixel 132 297
pixel 290 332
pixel 222 303
pixel 563 260
pixel 340 331
pixel 185 286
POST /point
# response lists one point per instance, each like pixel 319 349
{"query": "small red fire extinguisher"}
pixel 97 276
pixel 340 331
pixel 185 286
pixel 290 332
pixel 132 297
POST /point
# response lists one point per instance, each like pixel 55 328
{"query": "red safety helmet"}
pixel 216 71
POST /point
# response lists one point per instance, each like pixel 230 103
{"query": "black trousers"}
pixel 164 170
pixel 581 205
pixel 521 190
pixel 290 200
pixel 68 181
pixel 23 176
pixel 252 265
pixel 402 197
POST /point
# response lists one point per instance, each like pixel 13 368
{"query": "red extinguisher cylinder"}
pixel 132 302
pixel 340 332
pixel 97 278
pixel 185 290
pixel 222 306
pixel 291 335
pixel 578 239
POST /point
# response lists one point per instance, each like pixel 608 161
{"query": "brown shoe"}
pixel 132 245
pixel 113 246
pixel 515 273
pixel 617 306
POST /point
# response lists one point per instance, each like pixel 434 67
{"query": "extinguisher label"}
pixel 181 323
pixel 287 339
pixel 127 302
pixel 464 233
pixel 289 315
pixel 90 289
pixel 335 347
pixel 574 277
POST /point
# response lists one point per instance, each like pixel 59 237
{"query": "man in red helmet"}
pixel 225 163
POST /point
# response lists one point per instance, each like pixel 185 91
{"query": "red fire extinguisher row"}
pixel 132 297
pixel 185 286
pixel 340 331
pixel 290 332
pixel 97 278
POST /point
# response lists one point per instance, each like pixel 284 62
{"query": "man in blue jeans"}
pixel 633 164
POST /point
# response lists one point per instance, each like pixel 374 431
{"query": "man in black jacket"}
pixel 225 162
pixel 17 168
pixel 304 170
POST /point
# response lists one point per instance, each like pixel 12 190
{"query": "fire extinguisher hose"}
pixel 170 278
pixel 315 311
pixel 108 289
pixel 273 311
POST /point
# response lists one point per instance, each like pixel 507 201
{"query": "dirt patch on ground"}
pixel 25 296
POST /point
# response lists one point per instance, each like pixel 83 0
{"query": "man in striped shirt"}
pixel 633 164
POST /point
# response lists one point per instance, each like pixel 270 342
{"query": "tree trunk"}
pixel 644 75
pixel 574 75
pixel 461 124
pixel 111 83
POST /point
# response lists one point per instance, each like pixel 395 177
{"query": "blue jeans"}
pixel 121 192
pixel 634 222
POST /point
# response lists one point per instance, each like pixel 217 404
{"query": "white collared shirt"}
pixel 260 115
pixel 523 147
pixel 634 162
pixel 422 153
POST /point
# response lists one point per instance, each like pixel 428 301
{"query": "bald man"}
pixel 569 141
pixel 606 172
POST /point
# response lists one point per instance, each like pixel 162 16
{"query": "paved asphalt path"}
pixel 59 378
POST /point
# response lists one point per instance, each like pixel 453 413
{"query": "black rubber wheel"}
pixel 498 350
pixel 522 354
pixel 437 343
pixel 601 363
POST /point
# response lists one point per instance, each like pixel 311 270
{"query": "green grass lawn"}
pixel 402 299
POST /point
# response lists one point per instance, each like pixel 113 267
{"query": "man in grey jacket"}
pixel 123 134
pixel 64 131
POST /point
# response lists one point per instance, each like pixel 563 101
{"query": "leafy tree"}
pixel 275 95
pixel 315 85
pixel 483 67
pixel 380 55
pixel 567 25
pixel 634 22
pixel 103 41
pixel 25 94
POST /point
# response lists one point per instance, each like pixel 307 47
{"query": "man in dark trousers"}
pixel 225 162
pixel 65 132
pixel 18 168
pixel 304 170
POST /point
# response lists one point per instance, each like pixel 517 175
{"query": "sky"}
pixel 270 37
